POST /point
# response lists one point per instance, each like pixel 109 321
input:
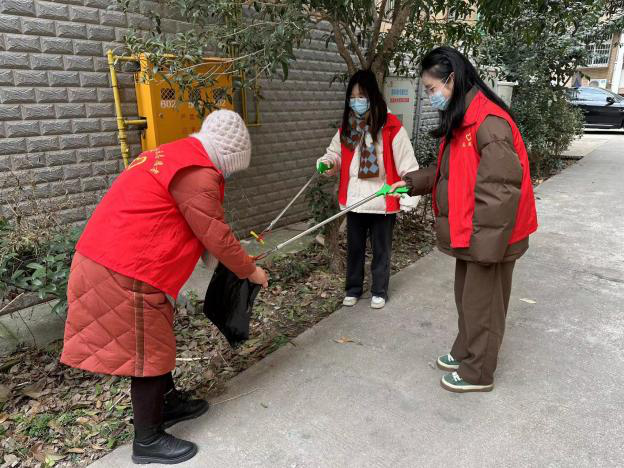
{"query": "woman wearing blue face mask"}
pixel 370 148
pixel 484 206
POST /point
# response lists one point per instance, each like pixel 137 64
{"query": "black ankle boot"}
pixel 154 445
pixel 180 407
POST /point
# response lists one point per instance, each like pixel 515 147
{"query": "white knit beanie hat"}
pixel 226 140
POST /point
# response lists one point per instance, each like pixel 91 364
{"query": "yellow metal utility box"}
pixel 163 117
pixel 166 117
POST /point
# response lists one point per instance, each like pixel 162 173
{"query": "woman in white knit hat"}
pixel 141 244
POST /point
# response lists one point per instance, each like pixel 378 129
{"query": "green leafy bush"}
pixel 548 124
pixel 36 259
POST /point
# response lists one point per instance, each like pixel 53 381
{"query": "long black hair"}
pixel 378 110
pixel 440 63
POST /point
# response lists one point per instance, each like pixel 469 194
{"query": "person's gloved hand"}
pixel 396 185
pixel 328 162
pixel 260 277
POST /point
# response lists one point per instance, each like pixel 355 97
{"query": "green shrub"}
pixel 35 258
pixel 548 124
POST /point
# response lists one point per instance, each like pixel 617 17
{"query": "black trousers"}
pixel 380 227
pixel 148 399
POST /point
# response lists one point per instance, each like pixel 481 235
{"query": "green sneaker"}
pixel 448 363
pixel 454 383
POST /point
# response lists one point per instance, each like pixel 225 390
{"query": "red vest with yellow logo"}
pixel 463 167
pixel 137 229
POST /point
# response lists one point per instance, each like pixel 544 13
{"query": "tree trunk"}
pixel 379 63
pixel 332 244
pixel 380 74
pixel 332 236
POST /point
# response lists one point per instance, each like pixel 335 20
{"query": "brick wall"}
pixel 425 117
pixel 299 118
pixel 57 130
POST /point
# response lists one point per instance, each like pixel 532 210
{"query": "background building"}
pixel 605 66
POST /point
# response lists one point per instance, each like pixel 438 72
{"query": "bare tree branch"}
pixel 376 30
pixel 397 7
pixel 390 41
pixel 374 12
pixel 342 49
pixel 355 45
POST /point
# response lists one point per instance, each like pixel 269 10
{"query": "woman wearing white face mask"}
pixel 484 206
pixel 370 148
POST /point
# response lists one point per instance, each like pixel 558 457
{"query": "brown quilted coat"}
pixel 121 326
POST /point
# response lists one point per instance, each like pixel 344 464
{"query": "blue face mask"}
pixel 359 105
pixel 437 99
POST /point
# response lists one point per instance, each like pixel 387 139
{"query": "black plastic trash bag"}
pixel 228 304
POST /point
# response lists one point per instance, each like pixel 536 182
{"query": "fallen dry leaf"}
pixel 10 459
pixel 528 301
pixel 344 340
pixel 36 390
pixel 5 392
pixel 78 402
pixel 3 417
pixel 75 450
pixel 39 452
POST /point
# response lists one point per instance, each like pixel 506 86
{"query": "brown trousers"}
pixel 482 297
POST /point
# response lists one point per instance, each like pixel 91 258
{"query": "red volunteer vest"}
pixel 463 166
pixel 392 127
pixel 137 230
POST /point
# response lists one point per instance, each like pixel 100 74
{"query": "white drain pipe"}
pixel 619 62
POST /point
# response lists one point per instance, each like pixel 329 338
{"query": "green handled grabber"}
pixel 323 167
pixel 320 169
pixel 384 191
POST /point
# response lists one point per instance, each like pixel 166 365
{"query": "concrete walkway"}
pixel 559 391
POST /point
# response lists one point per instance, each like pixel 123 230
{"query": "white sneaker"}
pixel 378 302
pixel 349 301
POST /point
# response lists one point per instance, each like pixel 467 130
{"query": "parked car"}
pixel 602 108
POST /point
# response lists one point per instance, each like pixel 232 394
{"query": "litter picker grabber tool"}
pixel 320 169
pixel 384 191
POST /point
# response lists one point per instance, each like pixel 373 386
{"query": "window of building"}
pixel 599 52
